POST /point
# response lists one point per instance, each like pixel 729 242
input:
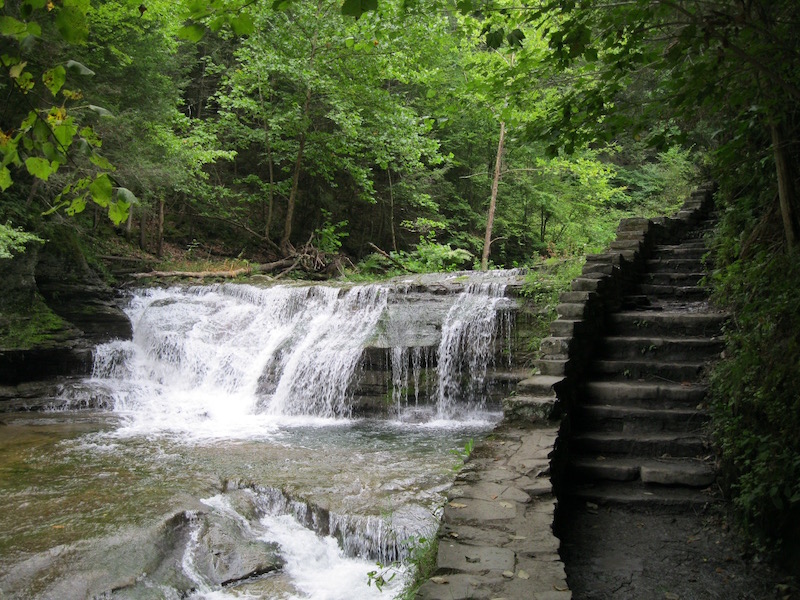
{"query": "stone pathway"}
pixel 497 540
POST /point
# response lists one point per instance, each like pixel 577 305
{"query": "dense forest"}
pixel 371 137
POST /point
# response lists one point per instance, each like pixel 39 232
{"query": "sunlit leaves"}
pixel 193 32
pixel 5 178
pixel 101 189
pixel 54 79
pixel 40 167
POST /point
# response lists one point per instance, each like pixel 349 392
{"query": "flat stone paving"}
pixel 496 541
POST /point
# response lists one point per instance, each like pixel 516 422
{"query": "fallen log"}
pixel 197 274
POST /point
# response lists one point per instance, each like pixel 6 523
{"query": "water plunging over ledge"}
pixel 255 442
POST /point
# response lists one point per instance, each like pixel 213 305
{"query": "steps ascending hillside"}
pixel 639 427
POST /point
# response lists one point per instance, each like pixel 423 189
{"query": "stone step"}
pixel 643 395
pixel 673 323
pixel 539 385
pixel 687 292
pixel 532 409
pixel 694 250
pixel 679 349
pixel 654 444
pixel 674 265
pixel 639 495
pixel 689 472
pixel 614 417
pixel 674 279
pixel 648 370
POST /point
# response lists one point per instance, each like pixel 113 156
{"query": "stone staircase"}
pixel 638 427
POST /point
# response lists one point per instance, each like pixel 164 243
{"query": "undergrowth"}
pixel 756 389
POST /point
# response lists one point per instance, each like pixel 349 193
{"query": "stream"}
pixel 252 443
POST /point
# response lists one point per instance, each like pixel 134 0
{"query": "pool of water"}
pixel 93 507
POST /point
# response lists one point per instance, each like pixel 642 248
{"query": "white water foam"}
pixel 319 568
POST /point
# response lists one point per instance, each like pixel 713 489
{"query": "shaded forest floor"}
pixel 619 552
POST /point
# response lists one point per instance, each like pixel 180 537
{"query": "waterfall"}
pixel 467 346
pixel 236 357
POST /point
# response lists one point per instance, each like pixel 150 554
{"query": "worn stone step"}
pixel 683 349
pixel 648 370
pixel 671 443
pixel 693 249
pixel 689 472
pixel 643 394
pixel 532 409
pixel 638 323
pixel 614 417
pixel 566 327
pixel 539 385
pixel 688 292
pixel 639 495
pixel 674 265
pixel 674 279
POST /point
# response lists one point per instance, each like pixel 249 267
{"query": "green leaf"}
pixel 243 24
pixel 515 38
pixel 356 8
pixel 101 190
pixel 71 24
pixel 280 5
pixel 5 177
pixel 494 39
pixel 118 211
pixel 100 111
pixel 54 79
pixel 193 32
pixel 15 71
pixel 102 162
pixel 76 68
pixel 64 133
pixel 77 205
pixel 35 4
pixel 39 167
pixel 10 26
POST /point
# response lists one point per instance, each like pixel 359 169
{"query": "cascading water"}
pixel 219 356
pixel 467 347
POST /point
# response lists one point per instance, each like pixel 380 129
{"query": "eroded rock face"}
pixel 54 309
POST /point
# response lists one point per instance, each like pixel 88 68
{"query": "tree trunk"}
pixel 786 196
pixel 160 238
pixel 487 240
pixel 391 210
pixel 287 226
pixel 143 230
pixel 129 224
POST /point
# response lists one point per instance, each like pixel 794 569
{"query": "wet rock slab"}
pixel 496 539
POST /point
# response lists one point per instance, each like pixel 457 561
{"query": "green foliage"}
pixel 328 238
pixel 543 284
pixel 32 325
pixel 14 239
pixel 755 399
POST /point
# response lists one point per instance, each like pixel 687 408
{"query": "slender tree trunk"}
pixel 487 240
pixel 143 230
pixel 391 210
pixel 287 226
pixel 268 208
pixel 129 223
pixel 786 197
pixel 160 238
